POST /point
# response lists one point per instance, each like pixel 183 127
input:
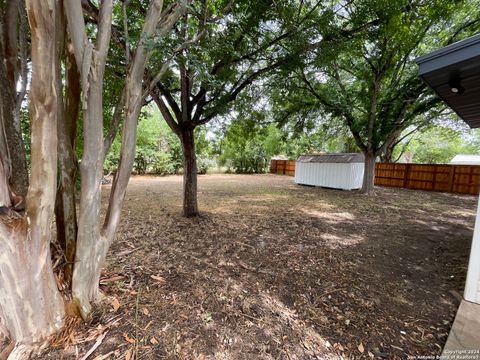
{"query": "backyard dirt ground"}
pixel 273 270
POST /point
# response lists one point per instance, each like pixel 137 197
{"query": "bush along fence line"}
pixel 462 179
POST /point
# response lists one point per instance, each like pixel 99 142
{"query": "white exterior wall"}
pixel 472 286
pixel 347 176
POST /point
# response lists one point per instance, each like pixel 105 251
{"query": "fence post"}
pixel 452 177
pixel 470 178
pixel 406 174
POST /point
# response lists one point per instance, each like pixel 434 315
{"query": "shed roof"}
pixel 456 66
pixel 332 158
pixel 465 160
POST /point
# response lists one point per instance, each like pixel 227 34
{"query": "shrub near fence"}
pixel 462 179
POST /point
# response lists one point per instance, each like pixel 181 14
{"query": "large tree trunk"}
pixel 30 303
pixel 369 173
pixel 190 206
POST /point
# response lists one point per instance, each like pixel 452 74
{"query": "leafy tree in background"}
pixel 369 80
pixel 247 147
pixel 158 149
pixel 439 144
pixel 231 45
pixel 248 143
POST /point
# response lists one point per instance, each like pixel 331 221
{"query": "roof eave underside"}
pixel 461 61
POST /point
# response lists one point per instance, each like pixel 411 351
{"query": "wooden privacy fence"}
pixel 463 179
pixel 282 167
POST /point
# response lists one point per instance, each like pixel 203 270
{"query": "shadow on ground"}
pixel 272 270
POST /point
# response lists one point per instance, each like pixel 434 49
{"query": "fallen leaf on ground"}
pixel 128 338
pixel 159 279
pixel 103 357
pixel 128 354
pixel 111 279
pixel 115 304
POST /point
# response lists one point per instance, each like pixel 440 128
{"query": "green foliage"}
pixel 204 163
pixel 333 62
pixel 244 147
pixel 158 149
pixel 363 71
pixel 163 164
pixel 247 145
pixel 438 145
pixel 231 45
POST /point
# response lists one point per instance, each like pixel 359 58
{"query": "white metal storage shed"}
pixel 338 171
pixel 465 160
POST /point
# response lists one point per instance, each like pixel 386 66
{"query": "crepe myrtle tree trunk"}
pixel 369 173
pixel 67 110
pixel 5 201
pixel 5 196
pixel 31 306
pixel 90 59
pixel 187 138
pixel 14 66
pixel 93 242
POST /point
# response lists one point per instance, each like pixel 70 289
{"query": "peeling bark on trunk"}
pixel 18 178
pixel 30 303
pixel 29 298
pixel 190 206
pixel 4 192
pixel 85 288
pixel 133 106
pixel 14 152
pixel 368 174
pixel 90 60
pixel 92 245
pixel 5 197
pixel 65 210
pixel 3 329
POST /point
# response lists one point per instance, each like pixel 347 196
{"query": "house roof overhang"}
pixel 456 67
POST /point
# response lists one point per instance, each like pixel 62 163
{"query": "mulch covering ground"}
pixel 273 270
